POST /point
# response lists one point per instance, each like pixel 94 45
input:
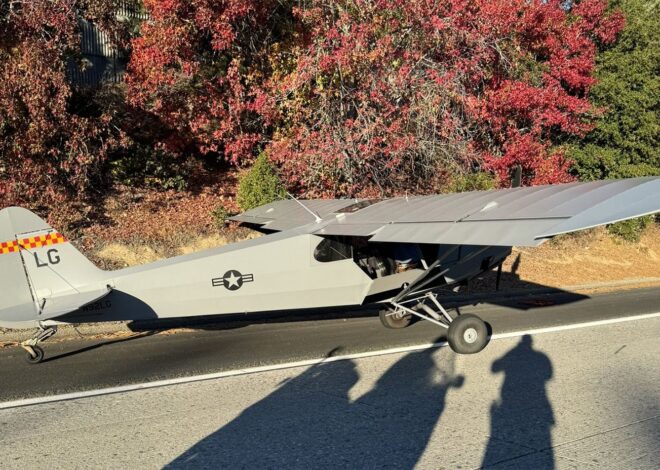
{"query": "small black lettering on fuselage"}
pixel 100 305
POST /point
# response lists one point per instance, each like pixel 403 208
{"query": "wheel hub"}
pixel 470 335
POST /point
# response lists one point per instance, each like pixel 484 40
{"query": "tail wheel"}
pixel 38 355
pixel 394 319
pixel 468 334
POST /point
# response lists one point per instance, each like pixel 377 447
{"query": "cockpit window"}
pixel 357 206
pixel 332 250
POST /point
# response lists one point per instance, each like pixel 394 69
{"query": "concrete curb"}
pixel 94 329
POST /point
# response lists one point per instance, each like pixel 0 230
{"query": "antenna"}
pixel 316 216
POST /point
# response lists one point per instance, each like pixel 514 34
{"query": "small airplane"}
pixel 317 253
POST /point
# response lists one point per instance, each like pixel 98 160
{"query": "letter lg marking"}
pixel 53 258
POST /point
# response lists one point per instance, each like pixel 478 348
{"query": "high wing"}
pixel 283 215
pixel 505 217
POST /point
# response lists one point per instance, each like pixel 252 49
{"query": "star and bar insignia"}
pixel 232 280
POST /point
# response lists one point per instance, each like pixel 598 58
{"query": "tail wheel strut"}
pixel 35 354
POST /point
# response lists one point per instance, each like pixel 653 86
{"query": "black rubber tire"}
pixel 38 358
pixel 390 321
pixel 456 336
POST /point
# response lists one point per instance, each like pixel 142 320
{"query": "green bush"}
pixel 143 166
pixel 630 230
pixel 260 185
pixel 220 214
pixel 479 181
pixel 626 139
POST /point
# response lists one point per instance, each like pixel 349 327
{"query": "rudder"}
pixel 42 274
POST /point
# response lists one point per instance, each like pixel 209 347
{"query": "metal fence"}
pixel 101 61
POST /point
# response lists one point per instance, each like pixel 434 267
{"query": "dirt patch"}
pixel 591 257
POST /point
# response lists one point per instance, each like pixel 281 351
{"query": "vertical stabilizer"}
pixel 41 273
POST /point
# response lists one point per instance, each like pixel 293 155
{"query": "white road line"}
pixel 309 362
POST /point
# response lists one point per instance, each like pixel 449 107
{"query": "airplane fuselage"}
pixel 270 273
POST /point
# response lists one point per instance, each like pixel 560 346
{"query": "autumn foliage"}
pixel 396 93
pixel 375 96
pixel 198 66
pixel 48 152
pixel 346 97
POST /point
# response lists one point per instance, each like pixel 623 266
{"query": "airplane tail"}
pixel 42 275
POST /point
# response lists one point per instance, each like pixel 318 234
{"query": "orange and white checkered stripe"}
pixel 31 243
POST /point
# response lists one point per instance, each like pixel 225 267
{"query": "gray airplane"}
pixel 317 253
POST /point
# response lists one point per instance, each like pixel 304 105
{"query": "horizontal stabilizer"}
pixel 61 305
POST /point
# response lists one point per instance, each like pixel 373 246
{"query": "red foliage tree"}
pixel 197 66
pixel 394 95
pixel 48 152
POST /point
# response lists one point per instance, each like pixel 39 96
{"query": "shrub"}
pixel 143 166
pixel 626 140
pixel 220 214
pixel 473 182
pixel 630 230
pixel 260 185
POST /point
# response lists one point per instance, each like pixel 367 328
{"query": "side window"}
pixel 332 250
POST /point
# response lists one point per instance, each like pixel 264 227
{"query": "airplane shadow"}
pixel 523 414
pixel 310 421
pixel 100 345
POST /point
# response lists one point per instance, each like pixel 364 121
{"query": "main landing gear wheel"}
pixel 394 319
pixel 38 355
pixel 467 334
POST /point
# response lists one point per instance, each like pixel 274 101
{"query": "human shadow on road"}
pixel 523 416
pixel 311 422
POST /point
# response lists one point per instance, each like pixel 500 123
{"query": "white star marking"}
pixel 233 280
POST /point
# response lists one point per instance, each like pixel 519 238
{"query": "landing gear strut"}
pixel 466 334
pixel 34 353
pixel 395 319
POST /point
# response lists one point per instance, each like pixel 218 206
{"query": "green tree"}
pixel 260 185
pixel 626 139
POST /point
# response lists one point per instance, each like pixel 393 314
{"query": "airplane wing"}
pixel 286 214
pixel 505 217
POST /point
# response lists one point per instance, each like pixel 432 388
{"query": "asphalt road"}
pixel 576 398
pixel 78 365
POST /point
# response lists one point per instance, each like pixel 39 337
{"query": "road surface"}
pixel 572 397
pixel 78 365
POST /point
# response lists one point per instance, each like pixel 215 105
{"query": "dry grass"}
pixel 128 255
pixel 219 239
pixel 594 256
pixel 122 255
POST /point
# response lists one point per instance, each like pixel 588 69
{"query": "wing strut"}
pixel 421 282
